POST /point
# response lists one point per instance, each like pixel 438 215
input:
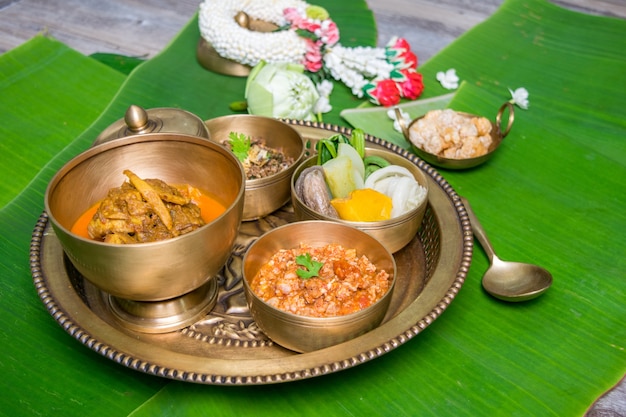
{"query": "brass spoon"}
pixel 508 281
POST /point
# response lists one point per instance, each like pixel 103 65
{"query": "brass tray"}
pixel 226 347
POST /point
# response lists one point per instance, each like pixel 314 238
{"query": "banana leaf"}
pixel 376 121
pixel 121 63
pixel 553 195
pixel 49 94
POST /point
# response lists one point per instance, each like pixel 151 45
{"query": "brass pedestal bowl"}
pixel 263 195
pixel 394 233
pixel 157 286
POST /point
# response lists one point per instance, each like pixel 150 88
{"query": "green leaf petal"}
pixel 260 100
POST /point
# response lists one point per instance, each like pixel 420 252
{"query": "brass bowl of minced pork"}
pixel 333 296
pixel 155 270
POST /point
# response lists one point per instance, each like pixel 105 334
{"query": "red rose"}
pixel 399 43
pixel 329 32
pixel 409 59
pixel 413 84
pixel 292 15
pixel 398 52
pixel 313 60
pixel 385 93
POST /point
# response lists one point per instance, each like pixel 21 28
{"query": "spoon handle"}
pixel 479 232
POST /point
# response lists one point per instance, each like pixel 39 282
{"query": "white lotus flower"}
pixel 520 97
pixel 448 80
pixel 281 91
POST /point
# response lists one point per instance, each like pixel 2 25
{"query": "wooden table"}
pixel 142 29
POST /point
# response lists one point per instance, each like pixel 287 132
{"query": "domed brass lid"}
pixel 138 121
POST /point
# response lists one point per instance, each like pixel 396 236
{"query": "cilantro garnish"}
pixel 311 267
pixel 240 145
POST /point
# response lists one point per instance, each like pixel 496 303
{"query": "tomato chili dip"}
pixel 344 283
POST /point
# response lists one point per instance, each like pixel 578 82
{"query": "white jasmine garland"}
pixel 218 27
pixel 351 78
pixel 369 61
pixel 308 37
pixel 355 66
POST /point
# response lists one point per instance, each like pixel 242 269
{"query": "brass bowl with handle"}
pixel 497 135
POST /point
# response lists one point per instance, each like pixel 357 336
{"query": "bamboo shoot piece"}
pixel 152 197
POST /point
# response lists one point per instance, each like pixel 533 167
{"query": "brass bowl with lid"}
pixel 498 133
pixel 263 195
pixel 139 121
pixel 157 286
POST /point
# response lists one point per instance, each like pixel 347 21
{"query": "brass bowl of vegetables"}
pixel 269 149
pixel 372 189
pixel 326 283
pixel 148 218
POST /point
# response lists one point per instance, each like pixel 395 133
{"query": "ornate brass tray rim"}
pixel 77 319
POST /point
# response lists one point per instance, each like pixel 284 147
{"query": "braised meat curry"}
pixel 144 211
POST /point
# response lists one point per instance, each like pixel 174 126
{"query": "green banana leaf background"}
pixel 554 194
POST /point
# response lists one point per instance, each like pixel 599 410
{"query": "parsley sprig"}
pixel 240 145
pixel 311 268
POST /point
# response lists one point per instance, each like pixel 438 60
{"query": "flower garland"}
pixel 308 36
pixel 217 24
pixel 383 75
